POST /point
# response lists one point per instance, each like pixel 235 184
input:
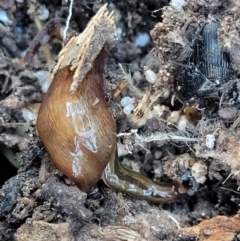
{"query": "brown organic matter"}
pixel 219 228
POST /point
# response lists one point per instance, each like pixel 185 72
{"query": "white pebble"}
pixel 177 3
pixel 118 33
pixel 150 115
pixel 151 77
pixel 44 79
pixel 210 141
pixel 41 75
pixel 142 40
pixel 3 16
pixel 45 86
pixel 127 110
pixel 122 151
pixel 28 114
pixel 182 123
pixel 126 101
pixel 44 14
pixel 19 1
pixel 173 118
pixel 23 53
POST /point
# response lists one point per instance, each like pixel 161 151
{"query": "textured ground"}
pixel 37 202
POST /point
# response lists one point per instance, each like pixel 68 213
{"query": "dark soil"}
pixel 38 191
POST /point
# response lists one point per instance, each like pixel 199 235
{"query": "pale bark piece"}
pixel 82 50
pixel 43 231
pixel 219 228
pixel 161 88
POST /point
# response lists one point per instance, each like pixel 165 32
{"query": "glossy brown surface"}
pixel 134 184
pixel 191 114
pixel 77 129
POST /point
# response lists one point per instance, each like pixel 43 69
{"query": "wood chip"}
pixel 219 228
pixel 40 230
pixel 82 50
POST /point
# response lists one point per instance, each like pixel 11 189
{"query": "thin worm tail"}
pixel 43 37
pixel 134 184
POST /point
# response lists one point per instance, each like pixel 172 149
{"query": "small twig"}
pixel 222 97
pixel 158 137
pixel 37 154
pixel 164 137
pixel 39 27
pixel 173 99
pixel 127 133
pixel 175 221
pixel 127 148
pixel 224 188
pixel 133 88
pixel 154 11
pixel 12 124
pixel 235 124
pixel 227 178
pixel 68 20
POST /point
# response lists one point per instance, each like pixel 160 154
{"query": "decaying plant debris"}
pixel 202 154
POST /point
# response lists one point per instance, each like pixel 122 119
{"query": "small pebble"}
pixel 19 1
pixel 150 115
pixel 122 151
pixel 228 113
pixel 126 101
pixel 3 16
pixel 44 14
pixel 45 86
pixel 127 110
pixel 182 123
pixel 207 232
pixel 142 40
pixel 210 141
pixel 173 118
pixel 23 53
pixel 44 79
pixel 41 75
pixel 158 154
pixel 177 3
pixel 151 77
pixel 118 33
pixel 28 115
pixel 19 29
